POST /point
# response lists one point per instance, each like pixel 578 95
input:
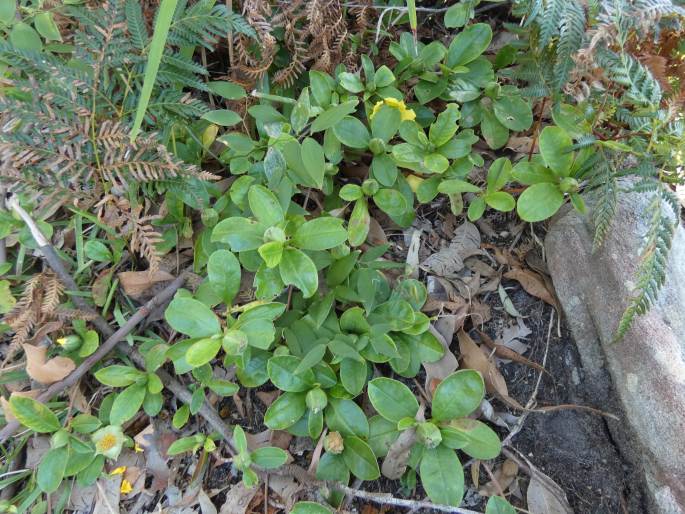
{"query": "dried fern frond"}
pixel 144 240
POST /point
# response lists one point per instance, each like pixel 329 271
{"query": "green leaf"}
pixel 445 126
pixel 392 399
pixel 46 26
pixel 386 122
pixel 498 174
pixel 539 202
pixel 322 86
pixel 513 112
pixel 33 414
pixel 314 161
pixel 456 185
pixel 360 459
pixel 269 457
pixel 351 82
pixel 285 411
pixel 353 374
pixel 476 208
pixel 97 251
pixel 498 505
pixel 165 14
pixel 265 206
pixel 320 234
pixel 223 271
pixel 310 508
pixel 118 375
pixel 555 144
pixel 530 172
pixel 241 234
pixel 8 9
pixel 346 417
pixel 442 476
pixel 458 395
pixel 382 433
pixel 469 44
pixel 391 201
pixel 23 37
pixel 495 134
pixel 384 169
pixel 185 444
pixel 500 200
pixel 191 317
pixel 181 416
pixel 203 351
pixel 473 437
pixel 332 467
pixel 359 223
pixel 127 403
pixel 352 132
pixel 227 90
pixel 333 115
pixel 271 252
pixel 298 269
pixel 85 423
pixel 281 369
pixel 223 117
pixel 51 469
pixel 458 15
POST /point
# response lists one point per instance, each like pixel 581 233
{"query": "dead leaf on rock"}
pixel 545 496
pixel 504 476
pixel 450 260
pixel 46 371
pixel 136 283
pixel 533 284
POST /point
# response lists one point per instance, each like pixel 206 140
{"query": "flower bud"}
pixel 429 434
pixel 370 187
pixel 274 234
pixel 70 343
pixel 316 400
pixel 333 443
pixel 377 146
pixel 209 217
pixel 568 185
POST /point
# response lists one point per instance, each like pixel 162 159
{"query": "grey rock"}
pixel 647 368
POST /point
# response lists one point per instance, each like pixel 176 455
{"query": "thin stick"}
pixel 101 352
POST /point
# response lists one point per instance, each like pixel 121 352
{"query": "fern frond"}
pixel 651 273
pixel 571 35
pixel 606 200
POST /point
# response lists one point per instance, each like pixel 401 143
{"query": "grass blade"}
pixel 164 17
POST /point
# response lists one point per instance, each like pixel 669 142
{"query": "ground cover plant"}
pixel 206 204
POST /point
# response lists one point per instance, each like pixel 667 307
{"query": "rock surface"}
pixel 646 368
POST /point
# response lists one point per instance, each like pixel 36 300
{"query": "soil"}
pixel 573 447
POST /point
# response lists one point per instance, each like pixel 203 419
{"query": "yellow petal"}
pixel 376 108
pixel 118 471
pixel 407 115
pixel 126 487
pixel 394 102
pixel 137 448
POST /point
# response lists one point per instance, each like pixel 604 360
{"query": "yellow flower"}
pixel 126 487
pixel 118 471
pixel 108 441
pixel 405 114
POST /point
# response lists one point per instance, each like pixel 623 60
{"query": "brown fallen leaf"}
pixel 136 283
pixel 545 496
pixel 474 358
pixel 46 371
pixel 450 260
pixel 521 144
pixel 395 462
pixel 475 472
pixel 504 476
pixel 533 284
pixel 441 369
pixel 5 404
pixel 376 236
pixel 507 353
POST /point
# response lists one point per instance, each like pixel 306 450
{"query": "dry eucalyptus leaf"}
pixel 46 371
pixel 376 235
pixel 136 283
pixel 474 358
pixel 504 476
pixel 108 494
pixel 533 284
pixel 439 370
pixel 238 499
pixel 395 462
pixel 450 260
pixel 545 496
